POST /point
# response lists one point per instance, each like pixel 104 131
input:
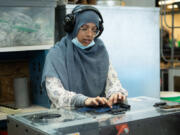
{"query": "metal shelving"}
pixel 25 48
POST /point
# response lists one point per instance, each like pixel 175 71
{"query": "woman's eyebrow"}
pixel 85 25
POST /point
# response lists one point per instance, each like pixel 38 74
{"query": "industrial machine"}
pixel 146 116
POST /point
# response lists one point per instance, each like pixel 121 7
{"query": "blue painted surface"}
pixel 39 95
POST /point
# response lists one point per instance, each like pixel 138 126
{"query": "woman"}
pixel 77 71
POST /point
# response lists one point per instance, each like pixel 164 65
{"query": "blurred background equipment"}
pixel 170 44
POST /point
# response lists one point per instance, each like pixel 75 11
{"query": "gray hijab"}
pixel 81 71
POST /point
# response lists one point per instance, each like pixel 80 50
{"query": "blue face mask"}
pixel 78 44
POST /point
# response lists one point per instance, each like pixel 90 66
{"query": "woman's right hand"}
pixel 97 101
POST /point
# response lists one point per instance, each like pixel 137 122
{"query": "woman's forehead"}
pixel 89 25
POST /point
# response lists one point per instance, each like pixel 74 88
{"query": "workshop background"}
pixel 141 36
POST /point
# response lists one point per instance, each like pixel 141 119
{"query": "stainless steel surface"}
pixel 70 121
pixel 51 122
pixel 109 2
pixel 140 3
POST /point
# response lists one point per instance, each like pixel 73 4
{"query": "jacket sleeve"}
pixel 60 96
pixel 113 84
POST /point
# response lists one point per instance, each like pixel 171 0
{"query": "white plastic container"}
pixel 21 92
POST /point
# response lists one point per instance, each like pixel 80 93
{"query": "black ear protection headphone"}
pixel 69 20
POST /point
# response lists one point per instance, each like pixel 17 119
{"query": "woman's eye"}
pixel 84 29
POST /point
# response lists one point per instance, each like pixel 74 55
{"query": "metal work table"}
pixel 141 119
pixel 4 111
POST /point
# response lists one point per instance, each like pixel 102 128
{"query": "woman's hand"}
pixel 97 101
pixel 116 98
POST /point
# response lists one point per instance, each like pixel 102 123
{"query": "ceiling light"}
pixel 167 2
pixel 171 6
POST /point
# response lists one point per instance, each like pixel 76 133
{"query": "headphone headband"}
pixel 87 8
pixel 69 20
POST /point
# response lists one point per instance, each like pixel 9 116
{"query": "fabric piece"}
pixel 118 108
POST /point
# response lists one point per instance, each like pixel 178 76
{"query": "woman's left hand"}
pixel 116 98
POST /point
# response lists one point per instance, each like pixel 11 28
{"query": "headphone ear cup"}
pixel 69 22
pixel 101 28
